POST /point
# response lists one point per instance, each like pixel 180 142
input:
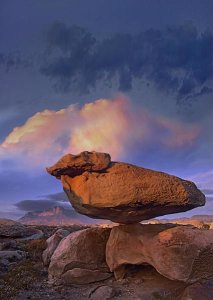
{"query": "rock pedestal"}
pixel 176 252
pixel 128 194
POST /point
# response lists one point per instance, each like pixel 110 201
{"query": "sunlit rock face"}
pixel 121 192
pixel 74 165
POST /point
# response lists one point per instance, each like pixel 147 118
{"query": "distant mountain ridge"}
pixel 57 215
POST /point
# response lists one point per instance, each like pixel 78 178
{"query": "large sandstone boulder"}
pixel 52 243
pixel 177 252
pixel 125 193
pixel 80 258
pixel 10 228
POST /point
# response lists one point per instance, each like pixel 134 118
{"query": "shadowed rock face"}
pixel 122 192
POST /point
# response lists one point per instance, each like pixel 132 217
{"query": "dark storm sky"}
pixel 158 54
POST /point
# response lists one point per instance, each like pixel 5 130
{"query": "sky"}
pixel 130 77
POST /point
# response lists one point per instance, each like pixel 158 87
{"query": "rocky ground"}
pixel 24 276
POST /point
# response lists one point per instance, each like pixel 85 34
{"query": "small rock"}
pixel 12 255
pixel 103 293
pixel 83 276
pixel 4 263
pixel 198 291
pixel 8 244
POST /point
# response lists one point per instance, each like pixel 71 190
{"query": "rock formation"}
pixel 80 257
pixel 121 192
pixel 176 252
pixel 128 194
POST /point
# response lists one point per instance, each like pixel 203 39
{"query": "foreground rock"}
pixel 12 255
pixel 52 243
pixel 10 228
pixel 80 258
pixel 177 252
pixel 121 192
pixel 198 291
pixel 103 292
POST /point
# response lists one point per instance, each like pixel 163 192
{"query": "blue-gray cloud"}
pixel 60 197
pixel 35 205
pixel 176 59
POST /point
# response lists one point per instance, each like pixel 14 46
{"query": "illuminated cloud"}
pixel 113 126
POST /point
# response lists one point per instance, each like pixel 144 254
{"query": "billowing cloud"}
pixel 113 126
pixel 176 59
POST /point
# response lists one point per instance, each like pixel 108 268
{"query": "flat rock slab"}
pixel 176 252
pixel 125 193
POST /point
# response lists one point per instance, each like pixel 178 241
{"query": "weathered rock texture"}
pixel 121 192
pixel 74 165
pixel 198 291
pixel 80 258
pixel 177 252
pixel 52 243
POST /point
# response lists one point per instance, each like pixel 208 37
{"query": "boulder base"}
pixel 177 252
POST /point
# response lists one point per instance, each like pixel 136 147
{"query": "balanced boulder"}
pixel 122 192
